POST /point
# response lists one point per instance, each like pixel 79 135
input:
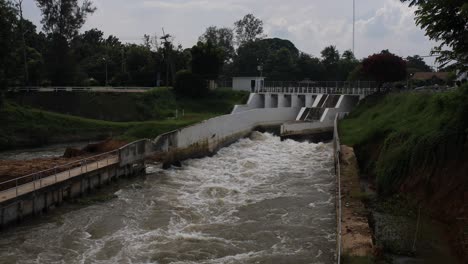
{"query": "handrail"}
pixel 318 90
pixel 61 166
pixel 82 164
pixel 337 154
pixel 68 167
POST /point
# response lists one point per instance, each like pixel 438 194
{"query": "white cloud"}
pixel 309 24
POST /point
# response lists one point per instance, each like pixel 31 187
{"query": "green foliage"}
pixel 417 64
pixel 248 29
pixel 410 127
pixel 29 127
pixel 445 22
pixel 64 17
pixel 190 85
pixel 222 38
pixel 207 60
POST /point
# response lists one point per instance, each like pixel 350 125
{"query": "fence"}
pixel 38 180
pixel 337 154
pixel 77 89
pixel 320 84
pixel 318 90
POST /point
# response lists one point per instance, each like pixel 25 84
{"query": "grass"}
pixel 409 128
pixel 156 104
pixel 29 127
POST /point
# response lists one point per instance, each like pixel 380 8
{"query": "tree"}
pixel 190 85
pixel 445 21
pixel 330 60
pixel 309 68
pixel 330 55
pixel 207 60
pixel 7 23
pixel 417 64
pixel 64 17
pixel 222 38
pixel 348 55
pixel 384 67
pixel 248 29
pixel 264 52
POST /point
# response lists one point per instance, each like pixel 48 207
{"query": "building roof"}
pixel 423 76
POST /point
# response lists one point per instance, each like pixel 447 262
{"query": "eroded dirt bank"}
pixel 12 169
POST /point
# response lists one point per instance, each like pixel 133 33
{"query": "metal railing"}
pixel 318 90
pixel 321 84
pixel 76 89
pixel 337 155
pixel 57 172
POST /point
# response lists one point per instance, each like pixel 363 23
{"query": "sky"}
pixel 310 24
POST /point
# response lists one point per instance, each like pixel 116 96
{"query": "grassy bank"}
pixel 396 133
pixel 156 104
pixel 24 126
pixel 413 148
pixel 29 127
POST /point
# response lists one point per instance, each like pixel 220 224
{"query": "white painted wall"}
pixel 216 129
pixel 244 83
pixel 255 101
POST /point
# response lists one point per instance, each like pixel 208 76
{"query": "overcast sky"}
pixel 309 24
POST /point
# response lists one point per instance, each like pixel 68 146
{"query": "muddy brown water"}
pixel 260 200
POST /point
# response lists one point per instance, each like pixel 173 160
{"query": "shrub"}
pixel 190 85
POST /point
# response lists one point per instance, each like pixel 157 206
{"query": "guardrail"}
pixel 58 172
pixel 125 155
pixel 318 90
pixel 76 89
pixel 337 155
pixel 321 84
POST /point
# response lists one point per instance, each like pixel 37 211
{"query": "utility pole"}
pixel 167 56
pixel 354 25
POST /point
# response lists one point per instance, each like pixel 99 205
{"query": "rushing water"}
pixel 258 201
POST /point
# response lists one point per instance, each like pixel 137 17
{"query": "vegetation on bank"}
pixel 26 126
pixel 406 131
pixel 156 104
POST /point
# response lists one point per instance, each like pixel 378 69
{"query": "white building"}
pixel 250 84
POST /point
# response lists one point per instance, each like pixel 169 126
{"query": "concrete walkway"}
pixel 59 177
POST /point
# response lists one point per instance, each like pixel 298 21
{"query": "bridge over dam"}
pixel 216 189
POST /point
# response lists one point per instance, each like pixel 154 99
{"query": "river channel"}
pixel 260 200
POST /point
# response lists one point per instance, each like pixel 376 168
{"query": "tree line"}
pixel 61 55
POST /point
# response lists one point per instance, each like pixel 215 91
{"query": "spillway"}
pixel 260 200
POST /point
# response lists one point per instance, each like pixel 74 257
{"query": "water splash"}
pixel 261 200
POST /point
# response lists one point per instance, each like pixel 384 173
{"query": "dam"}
pixel 260 200
pixel 250 197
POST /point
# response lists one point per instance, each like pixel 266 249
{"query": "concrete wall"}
pixel 207 137
pixel 135 152
pixel 255 101
pixel 345 104
pixel 48 198
pixel 300 128
pixel 244 83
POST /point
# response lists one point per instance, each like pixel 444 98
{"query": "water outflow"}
pixel 258 201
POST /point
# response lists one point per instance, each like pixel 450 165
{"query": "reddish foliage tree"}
pixel 384 67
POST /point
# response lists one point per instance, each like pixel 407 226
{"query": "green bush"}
pixel 190 85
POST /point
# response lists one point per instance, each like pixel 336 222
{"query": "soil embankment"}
pixel 412 149
pixel 12 169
